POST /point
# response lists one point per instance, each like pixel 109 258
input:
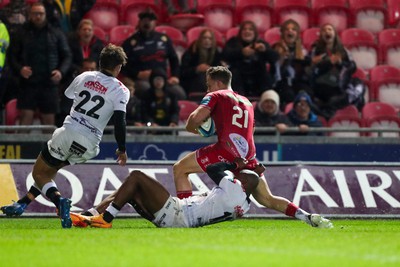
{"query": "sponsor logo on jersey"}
pixel 95 86
pixel 205 100
pixel 57 151
pixel 240 143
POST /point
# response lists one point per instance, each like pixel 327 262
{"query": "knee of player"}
pixel 135 175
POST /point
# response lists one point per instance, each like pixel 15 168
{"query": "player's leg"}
pixel 146 193
pixel 185 166
pixel 17 208
pixel 44 172
pixel 264 196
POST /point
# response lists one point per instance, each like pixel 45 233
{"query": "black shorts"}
pixel 42 97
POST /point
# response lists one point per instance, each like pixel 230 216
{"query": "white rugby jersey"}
pixel 227 201
pixel 96 96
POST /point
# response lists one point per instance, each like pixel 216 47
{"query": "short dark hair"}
pixel 220 73
pixel 112 56
pixel 148 13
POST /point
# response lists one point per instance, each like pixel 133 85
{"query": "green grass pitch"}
pixel 248 242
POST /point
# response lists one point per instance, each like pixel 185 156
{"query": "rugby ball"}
pixel 207 128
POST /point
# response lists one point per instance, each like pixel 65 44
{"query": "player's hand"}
pixel 26 72
pixel 240 162
pixel 56 76
pixel 122 157
pixel 259 169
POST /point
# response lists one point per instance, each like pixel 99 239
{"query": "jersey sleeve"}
pixel 122 99
pixel 69 92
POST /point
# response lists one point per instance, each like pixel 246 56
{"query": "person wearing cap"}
pixel 302 116
pixel 148 50
pixel 268 114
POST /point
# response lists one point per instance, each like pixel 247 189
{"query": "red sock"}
pixel 291 209
pixel 184 194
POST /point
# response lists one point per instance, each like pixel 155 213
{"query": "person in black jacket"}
pixel 148 50
pixel 160 107
pixel 41 56
pixel 202 54
pixel 247 57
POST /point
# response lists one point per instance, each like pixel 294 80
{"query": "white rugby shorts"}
pixel 171 215
pixel 72 146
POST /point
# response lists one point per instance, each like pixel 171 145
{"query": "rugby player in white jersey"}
pixel 226 201
pixel 97 95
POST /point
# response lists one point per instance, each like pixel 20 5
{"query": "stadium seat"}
pixel 130 9
pixel 218 14
pixel 385 82
pixel 177 37
pixel 369 15
pixel 393 9
pixel 309 36
pixel 4 3
pixel 383 122
pixel 186 108
pixel 196 96
pixel 335 12
pixel 389 47
pixel 232 32
pixel 362 46
pixel 11 112
pixel 298 10
pixel 377 109
pixel 193 33
pixel 104 14
pixel 186 21
pixel 120 33
pixel 341 121
pixel 272 35
pixel 100 33
pixel 258 11
pixel 349 110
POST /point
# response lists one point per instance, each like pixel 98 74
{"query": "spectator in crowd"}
pixel 332 68
pixel 247 56
pixel 67 14
pixel 293 61
pixel 14 13
pixel 41 55
pixel 160 106
pixel 302 116
pixel 134 115
pixel 182 7
pixel 87 64
pixel 84 44
pixel 268 114
pixel 148 50
pixel 201 54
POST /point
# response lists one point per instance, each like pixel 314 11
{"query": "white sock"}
pixel 93 211
pixel 48 186
pixel 302 215
pixel 112 210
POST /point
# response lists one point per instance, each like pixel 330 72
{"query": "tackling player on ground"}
pixel 233 116
pixel 97 96
pixel 225 202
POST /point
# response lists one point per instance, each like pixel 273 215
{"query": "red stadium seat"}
pixel 334 12
pixel 383 122
pixel 298 10
pixel 377 109
pixel 340 121
pixel 100 33
pixel 194 33
pixel 130 9
pixel 350 110
pixel 186 108
pixel 232 32
pixel 11 112
pixel 369 15
pixel 186 21
pixel 218 14
pixel 362 46
pixel 104 14
pixel 4 3
pixel 385 82
pixel 389 47
pixel 393 9
pixel 120 33
pixel 258 11
pixel 309 36
pixel 272 35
